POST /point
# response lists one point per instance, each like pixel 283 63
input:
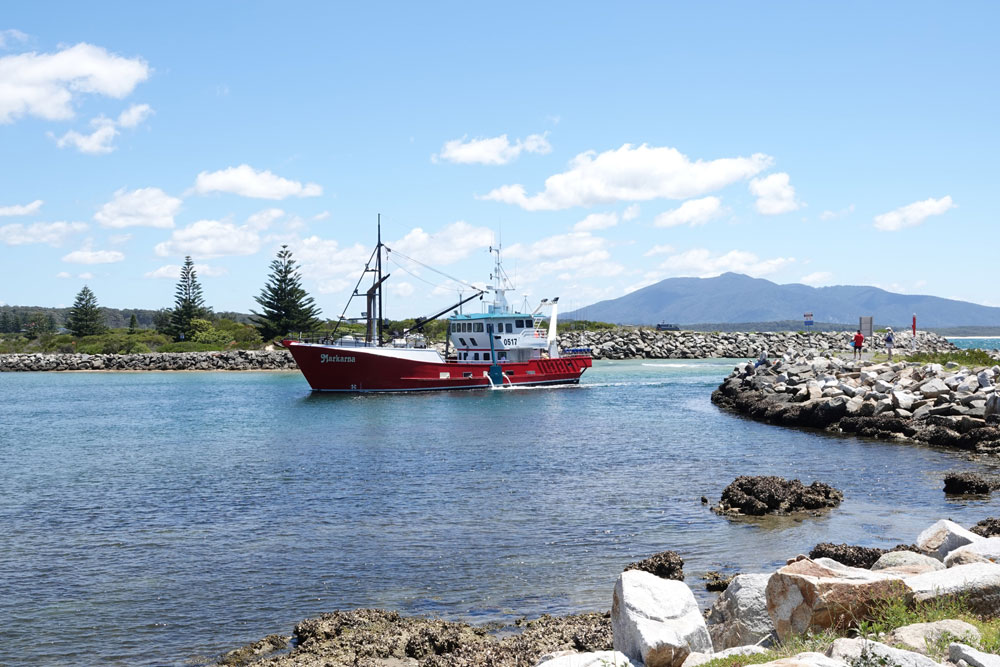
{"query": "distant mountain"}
pixel 733 297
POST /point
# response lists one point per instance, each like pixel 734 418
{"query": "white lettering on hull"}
pixel 335 359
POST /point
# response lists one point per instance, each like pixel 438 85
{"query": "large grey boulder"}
pixel 918 636
pixel 987 548
pixel 943 537
pixel 906 563
pixel 593 659
pixel 933 388
pixel 739 616
pixel 656 621
pixel 861 651
pixel 977 584
pixel 813 595
pixel 971 656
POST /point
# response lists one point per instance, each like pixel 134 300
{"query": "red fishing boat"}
pixel 497 348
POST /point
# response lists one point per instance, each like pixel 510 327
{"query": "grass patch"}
pixel 963 357
pixel 885 616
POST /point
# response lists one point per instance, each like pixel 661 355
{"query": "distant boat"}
pixel 663 326
pixel 499 348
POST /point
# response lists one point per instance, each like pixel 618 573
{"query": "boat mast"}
pixel 378 265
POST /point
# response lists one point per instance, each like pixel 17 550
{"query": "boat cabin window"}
pixel 461 340
pixel 473 340
pixel 519 324
pixel 454 327
pixel 475 357
pixel 466 375
pixel 479 326
pixel 509 328
pixel 501 355
pixel 486 356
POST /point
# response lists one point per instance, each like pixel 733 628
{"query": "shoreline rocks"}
pixel 619 343
pixel 948 406
pixel 655 622
pixel 764 494
pixel 638 343
pixel 232 360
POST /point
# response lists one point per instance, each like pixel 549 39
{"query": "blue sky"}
pixel 609 146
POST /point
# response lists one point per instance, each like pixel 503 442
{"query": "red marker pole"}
pixel 914 324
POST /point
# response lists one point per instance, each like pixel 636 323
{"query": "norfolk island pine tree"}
pixel 189 304
pixel 85 318
pixel 285 306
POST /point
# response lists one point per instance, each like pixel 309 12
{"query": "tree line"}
pixel 284 307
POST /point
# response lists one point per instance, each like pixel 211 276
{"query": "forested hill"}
pixel 734 297
pixel 15 318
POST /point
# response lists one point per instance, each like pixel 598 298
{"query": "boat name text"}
pixel 335 359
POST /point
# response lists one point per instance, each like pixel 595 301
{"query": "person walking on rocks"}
pixel 858 341
pixel 890 341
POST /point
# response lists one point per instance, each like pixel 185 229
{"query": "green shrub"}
pixel 188 346
pixel 963 357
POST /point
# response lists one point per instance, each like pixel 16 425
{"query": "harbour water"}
pixel 163 518
pixel 967 343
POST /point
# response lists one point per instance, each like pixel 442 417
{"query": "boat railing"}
pixel 577 352
pixel 344 340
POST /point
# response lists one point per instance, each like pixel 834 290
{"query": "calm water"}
pixel 156 518
pixel 981 343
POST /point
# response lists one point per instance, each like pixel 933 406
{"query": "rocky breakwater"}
pixel 948 405
pixel 807 613
pixel 233 360
pixel 638 343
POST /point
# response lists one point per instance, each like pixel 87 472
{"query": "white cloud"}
pixel 118 239
pixel 560 245
pixel 97 142
pixel 321 216
pixel 402 288
pixel 145 207
pixel 86 275
pixel 577 254
pixel 324 261
pixel 816 278
pixel 52 233
pixel 632 173
pixel 134 115
pixel 26 209
pixel 658 250
pixel 246 181
pixel 10 36
pixel 774 194
pixel 453 243
pixel 263 219
pixel 913 214
pixel 47 84
pixel 206 239
pixel 173 271
pixel 64 274
pixel 702 263
pixel 87 255
pixel 832 215
pixel 492 151
pixel 596 221
pixel 101 140
pixel 694 212
pixel 631 213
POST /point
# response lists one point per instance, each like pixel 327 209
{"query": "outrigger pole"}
pixel 421 321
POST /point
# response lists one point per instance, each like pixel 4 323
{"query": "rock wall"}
pixel 234 360
pixel 948 405
pixel 628 343
pixel 622 343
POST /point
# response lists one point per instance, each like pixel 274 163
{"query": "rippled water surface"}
pixel 158 518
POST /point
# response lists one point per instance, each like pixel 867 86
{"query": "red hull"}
pixel 362 369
